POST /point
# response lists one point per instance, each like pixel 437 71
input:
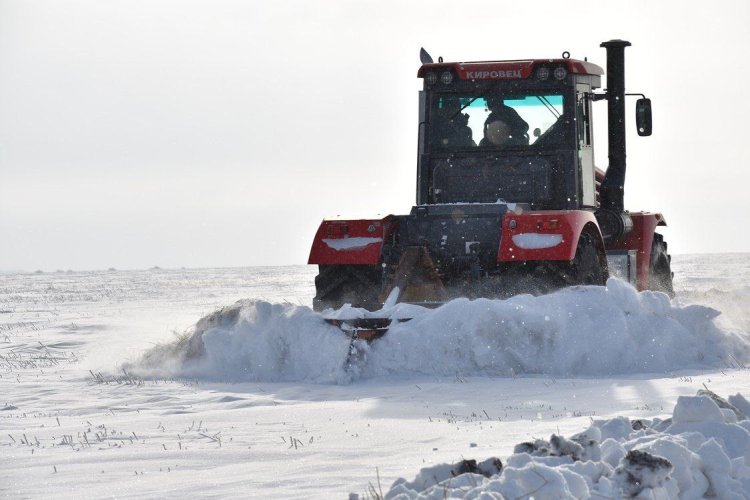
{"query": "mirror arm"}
pixel 599 97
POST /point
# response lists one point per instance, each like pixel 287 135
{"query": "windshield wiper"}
pixel 463 108
pixel 548 105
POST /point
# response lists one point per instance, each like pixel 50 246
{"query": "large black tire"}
pixel 588 267
pixel 660 267
pixel 532 277
pixel 355 285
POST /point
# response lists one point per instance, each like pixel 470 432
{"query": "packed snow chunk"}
pixel 519 460
pixel 718 469
pixel 714 458
pixel 256 341
pixel 582 446
pixel 592 472
pixel 723 404
pixel 616 428
pixel 454 487
pixel 612 452
pixel 730 417
pixel 439 474
pixel 562 447
pixel 538 447
pixel 686 464
pixel 640 470
pixel 734 438
pixel 741 404
pixel 696 409
pixel 589 441
pixel 540 481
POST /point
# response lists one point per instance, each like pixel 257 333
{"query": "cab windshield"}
pixel 496 120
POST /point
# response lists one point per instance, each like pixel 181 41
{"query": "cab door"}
pixel 585 140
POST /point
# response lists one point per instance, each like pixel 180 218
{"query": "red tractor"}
pixel 508 198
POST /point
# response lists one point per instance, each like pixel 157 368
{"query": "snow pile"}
pixel 578 331
pixel 253 341
pixel 702 451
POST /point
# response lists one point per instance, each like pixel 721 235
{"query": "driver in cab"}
pixel 504 126
pixel 451 127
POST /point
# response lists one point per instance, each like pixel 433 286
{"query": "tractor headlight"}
pixel 446 78
pixel 542 73
pixel 560 73
pixel 431 78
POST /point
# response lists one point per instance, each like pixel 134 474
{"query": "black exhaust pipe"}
pixel 613 221
pixel 612 190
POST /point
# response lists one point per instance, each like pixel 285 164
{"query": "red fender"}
pixel 640 239
pixel 350 241
pixel 548 235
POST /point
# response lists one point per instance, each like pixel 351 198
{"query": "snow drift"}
pixel 703 450
pixel 589 331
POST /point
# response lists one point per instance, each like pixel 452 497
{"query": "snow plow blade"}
pixel 367 329
pixel 361 332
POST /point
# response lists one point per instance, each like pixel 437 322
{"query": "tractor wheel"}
pixel 532 277
pixel 355 285
pixel 586 268
pixel 660 267
pixel 543 277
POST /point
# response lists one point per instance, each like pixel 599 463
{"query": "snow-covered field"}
pixel 258 402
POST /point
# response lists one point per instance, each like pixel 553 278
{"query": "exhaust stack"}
pixel 612 189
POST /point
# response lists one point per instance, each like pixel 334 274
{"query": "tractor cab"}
pixel 508 131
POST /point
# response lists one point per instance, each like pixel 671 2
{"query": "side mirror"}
pixel 643 116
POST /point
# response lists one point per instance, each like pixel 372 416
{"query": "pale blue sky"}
pixel 220 133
